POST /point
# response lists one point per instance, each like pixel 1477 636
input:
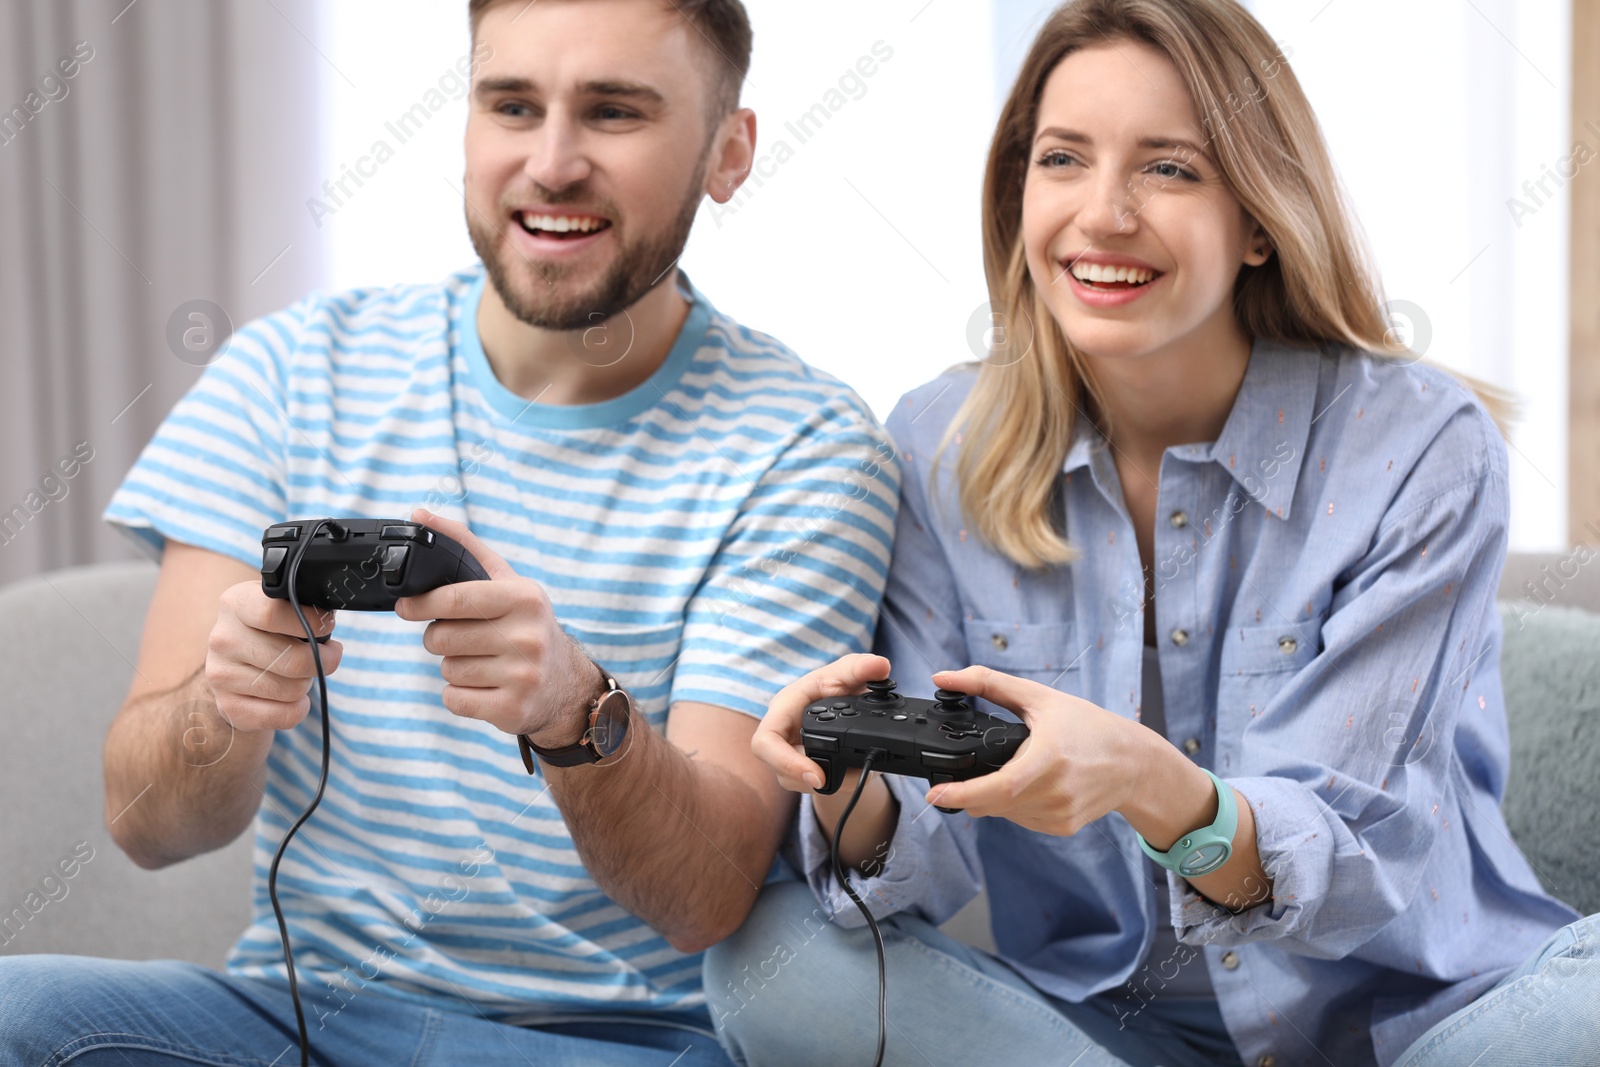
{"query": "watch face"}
pixel 1204 859
pixel 610 729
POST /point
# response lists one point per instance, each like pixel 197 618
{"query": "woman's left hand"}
pixel 1079 763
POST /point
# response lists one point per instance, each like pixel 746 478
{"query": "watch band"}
pixel 1204 850
pixel 597 741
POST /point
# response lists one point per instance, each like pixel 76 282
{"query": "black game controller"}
pixel 942 740
pixel 361 564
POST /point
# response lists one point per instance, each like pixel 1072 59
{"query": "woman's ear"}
pixel 1260 246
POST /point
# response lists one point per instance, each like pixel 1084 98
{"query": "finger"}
pixel 490 560
pixel 1008 691
pixel 463 600
pixel 998 793
pixel 787 761
pixel 845 676
pixel 477 672
pixel 252 714
pixel 269 615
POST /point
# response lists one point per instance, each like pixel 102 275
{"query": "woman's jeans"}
pixel 789 989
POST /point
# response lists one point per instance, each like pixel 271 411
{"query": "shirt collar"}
pixel 1263 443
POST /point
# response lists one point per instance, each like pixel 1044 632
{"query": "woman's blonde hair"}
pixel 1320 286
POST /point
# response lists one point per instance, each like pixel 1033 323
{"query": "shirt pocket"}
pixel 1255 662
pixel 1045 652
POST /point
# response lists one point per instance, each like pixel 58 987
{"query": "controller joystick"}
pixel 881 692
pixel 943 740
pixel 361 564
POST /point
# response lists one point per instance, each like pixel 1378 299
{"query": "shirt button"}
pixel 1180 636
pixel 1287 645
pixel 1179 519
pixel 1192 745
pixel 1000 643
pixel 1230 960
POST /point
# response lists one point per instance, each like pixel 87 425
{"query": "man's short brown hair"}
pixel 723 25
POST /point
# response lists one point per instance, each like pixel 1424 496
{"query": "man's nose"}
pixel 558 159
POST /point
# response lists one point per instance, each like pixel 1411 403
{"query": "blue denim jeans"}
pixel 56 1010
pixel 788 989
pixel 1545 1012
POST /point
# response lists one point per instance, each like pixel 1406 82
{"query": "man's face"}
pixel 586 153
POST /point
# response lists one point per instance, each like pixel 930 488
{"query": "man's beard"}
pixel 634 272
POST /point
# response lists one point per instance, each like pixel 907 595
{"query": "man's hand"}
pixel 258 661
pixel 506 660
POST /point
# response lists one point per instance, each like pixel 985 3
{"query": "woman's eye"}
pixel 1176 171
pixel 1056 158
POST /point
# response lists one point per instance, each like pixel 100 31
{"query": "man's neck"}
pixel 587 366
pixel 1181 395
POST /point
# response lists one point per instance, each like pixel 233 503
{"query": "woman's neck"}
pixel 1179 394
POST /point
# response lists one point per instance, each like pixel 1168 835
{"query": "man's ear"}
pixel 1259 246
pixel 733 152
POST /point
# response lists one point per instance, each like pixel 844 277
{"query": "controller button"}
pixel 282 533
pixel 849 713
pixel 841 705
pixel 949 696
pixel 408 532
pixel 820 742
pixel 826 716
pixel 922 720
pixel 880 713
pixel 394 563
pixel 813 709
pixel 948 761
pixel 272 563
pixel 899 716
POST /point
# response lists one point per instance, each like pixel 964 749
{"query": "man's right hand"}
pixel 258 662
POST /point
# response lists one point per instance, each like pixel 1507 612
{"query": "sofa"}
pixel 69 641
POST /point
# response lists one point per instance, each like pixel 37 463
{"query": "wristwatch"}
pixel 607 729
pixel 1206 849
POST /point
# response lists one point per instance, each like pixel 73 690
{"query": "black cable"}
pixel 877 935
pixel 322 782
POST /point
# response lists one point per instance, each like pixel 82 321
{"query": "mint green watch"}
pixel 1206 849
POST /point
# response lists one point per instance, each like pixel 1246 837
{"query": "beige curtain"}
pixel 152 155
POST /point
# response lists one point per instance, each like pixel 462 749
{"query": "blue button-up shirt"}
pixel 1325 576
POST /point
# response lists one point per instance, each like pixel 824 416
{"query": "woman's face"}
pixel 1119 171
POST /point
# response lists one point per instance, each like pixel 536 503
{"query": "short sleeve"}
pixel 798 579
pixel 214 476
pixel 1348 768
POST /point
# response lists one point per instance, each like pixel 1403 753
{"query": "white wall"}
pixel 858 245
pixel 1436 113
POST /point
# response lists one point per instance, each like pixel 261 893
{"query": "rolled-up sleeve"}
pixel 1349 769
pixel 931 868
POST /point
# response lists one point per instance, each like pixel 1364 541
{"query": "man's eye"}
pixel 614 113
pixel 514 110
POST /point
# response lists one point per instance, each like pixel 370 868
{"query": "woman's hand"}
pixel 1079 762
pixel 777 740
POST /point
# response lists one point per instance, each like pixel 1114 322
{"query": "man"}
pixel 659 496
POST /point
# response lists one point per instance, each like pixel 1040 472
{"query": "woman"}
pixel 1222 545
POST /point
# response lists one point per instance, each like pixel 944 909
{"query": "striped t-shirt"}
pixel 708 536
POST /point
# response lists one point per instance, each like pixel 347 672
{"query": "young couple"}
pixel 1227 550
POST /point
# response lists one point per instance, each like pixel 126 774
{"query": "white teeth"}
pixel 560 223
pixel 1094 272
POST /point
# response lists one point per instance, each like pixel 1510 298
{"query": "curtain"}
pixel 155 160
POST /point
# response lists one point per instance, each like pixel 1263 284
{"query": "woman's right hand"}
pixel 258 662
pixel 777 739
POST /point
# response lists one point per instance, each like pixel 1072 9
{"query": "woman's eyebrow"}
pixel 1074 137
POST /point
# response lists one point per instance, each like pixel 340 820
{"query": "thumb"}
pixel 1018 695
pixel 490 560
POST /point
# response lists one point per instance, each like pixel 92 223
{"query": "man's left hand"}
pixel 506 660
